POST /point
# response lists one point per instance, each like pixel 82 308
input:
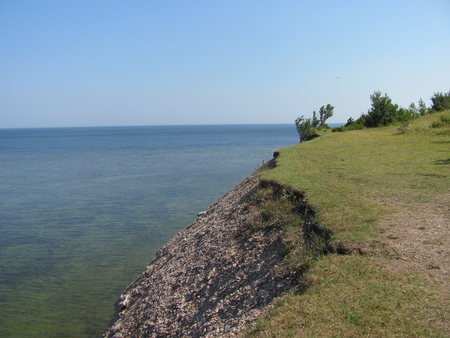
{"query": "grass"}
pixel 352 181
pixel 354 178
pixel 353 296
pixel 273 205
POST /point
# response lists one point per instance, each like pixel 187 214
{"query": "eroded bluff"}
pixel 209 280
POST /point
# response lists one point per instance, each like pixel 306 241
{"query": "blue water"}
pixel 83 211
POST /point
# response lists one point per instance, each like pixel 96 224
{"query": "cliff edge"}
pixel 210 279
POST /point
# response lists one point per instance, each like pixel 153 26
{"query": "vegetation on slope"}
pixel 383 112
pixel 359 185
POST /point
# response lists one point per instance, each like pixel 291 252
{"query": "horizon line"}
pixel 159 125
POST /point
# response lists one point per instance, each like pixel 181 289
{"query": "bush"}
pixel 305 129
pixel 441 101
pixel 438 124
pixel 339 129
pixel 405 115
pixel 383 111
pixel 356 125
pixel 445 121
pixel 423 110
pixel 324 127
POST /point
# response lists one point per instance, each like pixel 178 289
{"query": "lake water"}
pixel 83 211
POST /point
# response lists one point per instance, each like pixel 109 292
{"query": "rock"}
pixel 209 280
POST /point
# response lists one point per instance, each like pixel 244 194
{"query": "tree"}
pixel 422 107
pixel 315 121
pixel 325 113
pixel 383 111
pixel 413 108
pixel 441 101
pixel 305 129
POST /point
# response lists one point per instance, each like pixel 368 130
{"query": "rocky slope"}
pixel 210 279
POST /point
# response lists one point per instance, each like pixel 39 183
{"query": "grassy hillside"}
pixel 384 192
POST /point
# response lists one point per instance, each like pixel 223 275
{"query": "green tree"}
pixel 315 121
pixel 441 101
pixel 422 107
pixel 325 113
pixel 305 129
pixel 413 108
pixel 383 111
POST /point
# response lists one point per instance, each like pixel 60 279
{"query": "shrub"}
pixel 445 121
pixel 423 110
pixel 339 129
pixel 405 115
pixel 305 129
pixel 404 128
pixel 383 111
pixel 438 124
pixel 441 101
pixel 356 125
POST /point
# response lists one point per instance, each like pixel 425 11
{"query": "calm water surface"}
pixel 83 210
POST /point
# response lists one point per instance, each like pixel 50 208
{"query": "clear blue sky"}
pixel 109 63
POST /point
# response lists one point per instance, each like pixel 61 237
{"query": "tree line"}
pixel 382 113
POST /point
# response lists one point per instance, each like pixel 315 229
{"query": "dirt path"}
pixel 418 239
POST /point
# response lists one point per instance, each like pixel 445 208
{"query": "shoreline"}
pixel 211 279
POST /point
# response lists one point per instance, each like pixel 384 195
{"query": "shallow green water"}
pixel 83 211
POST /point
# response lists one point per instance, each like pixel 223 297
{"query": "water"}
pixel 83 211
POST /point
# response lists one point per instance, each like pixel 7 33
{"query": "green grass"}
pixel 273 205
pixel 353 296
pixel 353 180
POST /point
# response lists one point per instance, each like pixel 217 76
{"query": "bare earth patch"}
pixel 418 239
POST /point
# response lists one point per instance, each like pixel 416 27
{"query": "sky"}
pixel 73 63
